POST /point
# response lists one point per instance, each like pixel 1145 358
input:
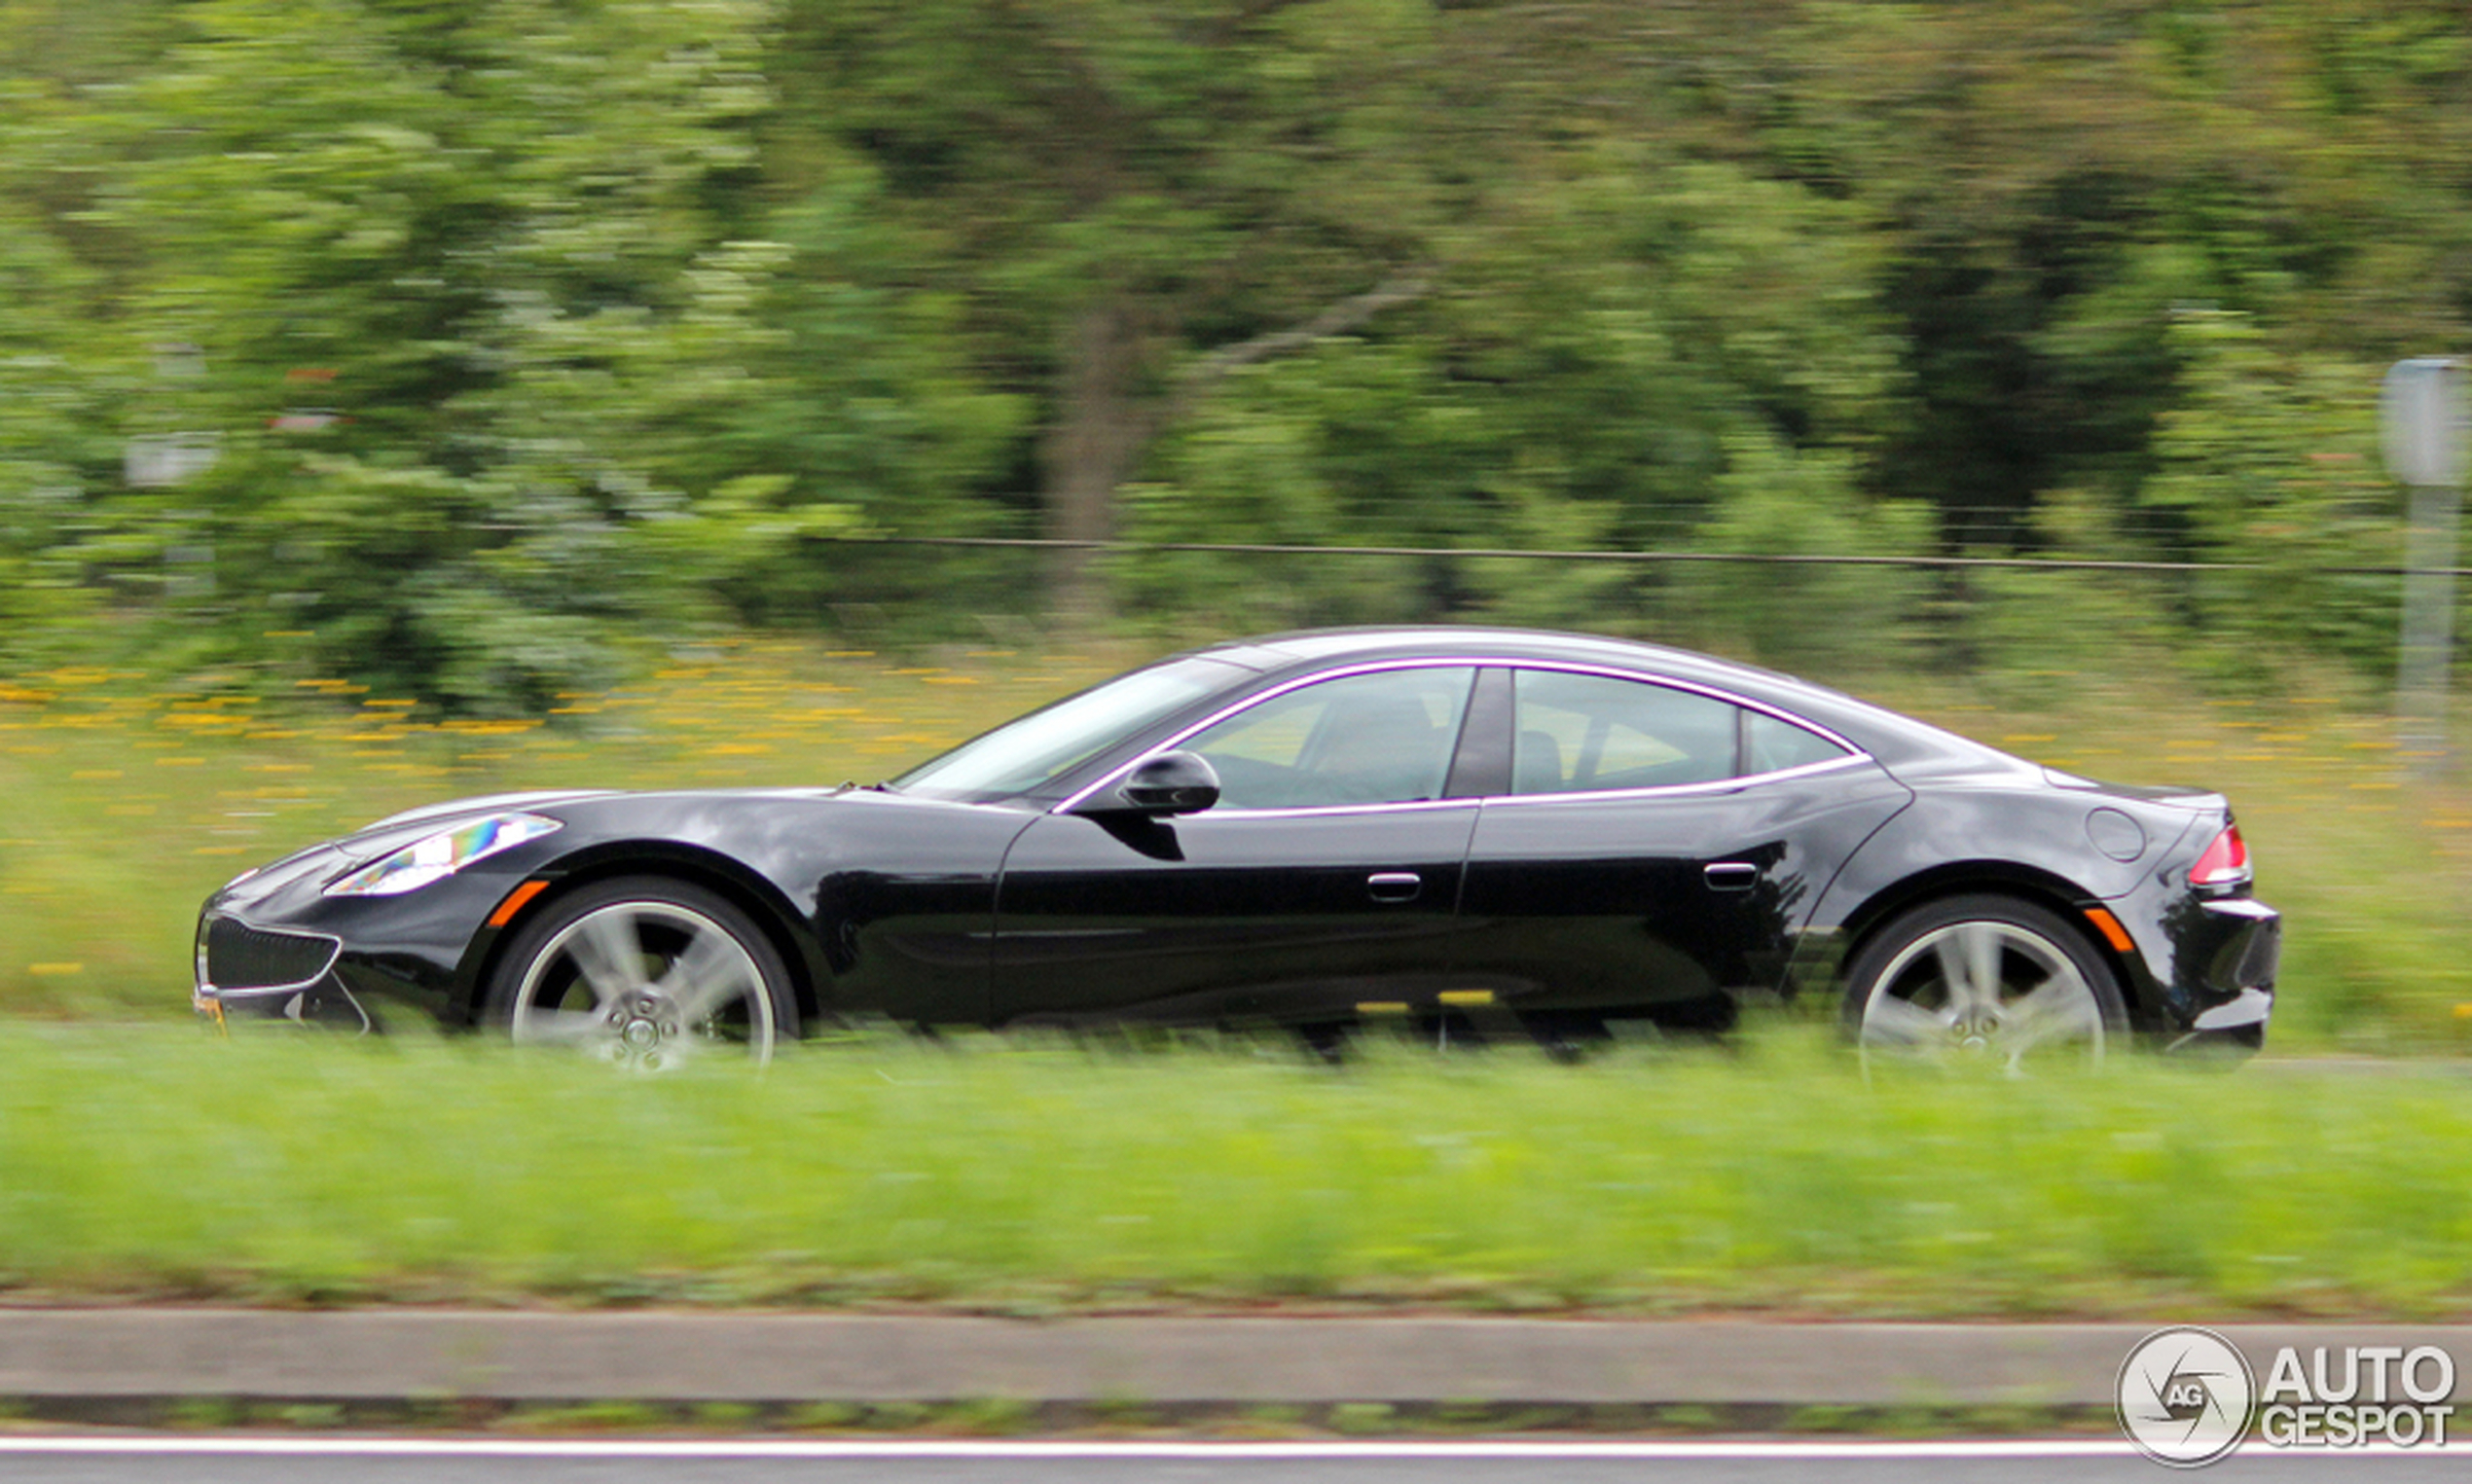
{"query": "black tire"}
pixel 1911 988
pixel 1567 1036
pixel 644 971
pixel 1709 1019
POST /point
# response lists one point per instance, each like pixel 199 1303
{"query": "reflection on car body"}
pixel 1494 828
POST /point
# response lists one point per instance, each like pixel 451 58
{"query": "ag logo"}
pixel 2185 1395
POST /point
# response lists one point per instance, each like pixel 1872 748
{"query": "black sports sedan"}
pixel 1469 831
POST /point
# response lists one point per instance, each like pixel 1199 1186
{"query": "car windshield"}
pixel 1020 755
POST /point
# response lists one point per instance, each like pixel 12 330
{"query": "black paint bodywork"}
pixel 1041 906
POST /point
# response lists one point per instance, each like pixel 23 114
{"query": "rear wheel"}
pixel 646 973
pixel 1982 977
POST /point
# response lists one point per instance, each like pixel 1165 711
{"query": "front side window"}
pixel 1576 734
pixel 1034 750
pixel 1384 738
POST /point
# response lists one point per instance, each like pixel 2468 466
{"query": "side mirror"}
pixel 1170 783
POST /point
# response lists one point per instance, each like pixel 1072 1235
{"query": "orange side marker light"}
pixel 2109 926
pixel 515 901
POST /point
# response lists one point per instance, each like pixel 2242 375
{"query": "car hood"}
pixel 398 830
pixel 492 802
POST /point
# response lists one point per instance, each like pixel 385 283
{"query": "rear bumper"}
pixel 2225 954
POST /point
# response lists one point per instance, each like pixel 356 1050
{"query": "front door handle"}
pixel 1395 885
pixel 1732 876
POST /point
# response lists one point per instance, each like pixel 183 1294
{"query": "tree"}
pixel 512 322
pixel 1630 355
pixel 493 335
pixel 2056 178
pixel 2271 461
pixel 59 379
pixel 1120 185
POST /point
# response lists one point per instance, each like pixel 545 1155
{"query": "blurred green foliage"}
pixel 447 345
pixel 2271 460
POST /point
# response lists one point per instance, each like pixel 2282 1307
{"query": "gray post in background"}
pixel 2422 416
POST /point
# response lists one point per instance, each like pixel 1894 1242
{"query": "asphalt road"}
pixel 95 1460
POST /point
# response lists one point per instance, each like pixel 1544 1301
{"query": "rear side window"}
pixel 1770 745
pixel 1575 733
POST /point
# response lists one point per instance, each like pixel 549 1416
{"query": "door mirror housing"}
pixel 1170 783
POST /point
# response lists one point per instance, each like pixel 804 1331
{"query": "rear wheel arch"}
pixel 2055 895
pixel 1983 973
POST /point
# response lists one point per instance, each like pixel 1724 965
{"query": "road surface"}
pixel 156 1459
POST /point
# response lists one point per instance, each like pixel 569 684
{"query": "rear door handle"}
pixel 1395 885
pixel 1732 876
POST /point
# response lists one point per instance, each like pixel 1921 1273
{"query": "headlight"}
pixel 435 857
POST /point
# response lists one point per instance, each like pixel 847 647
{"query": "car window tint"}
pixel 1036 750
pixel 1772 744
pixel 1577 733
pixel 1384 738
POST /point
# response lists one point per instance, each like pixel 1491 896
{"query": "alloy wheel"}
pixel 645 985
pixel 1982 989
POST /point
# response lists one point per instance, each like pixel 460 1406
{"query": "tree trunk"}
pixel 1109 407
pixel 1104 418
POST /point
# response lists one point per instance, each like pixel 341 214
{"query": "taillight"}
pixel 2226 862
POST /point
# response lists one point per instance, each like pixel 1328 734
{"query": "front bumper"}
pixel 244 971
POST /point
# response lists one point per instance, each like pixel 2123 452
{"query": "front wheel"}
pixel 1987 977
pixel 646 973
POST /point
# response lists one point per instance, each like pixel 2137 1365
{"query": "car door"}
pixel 1655 844
pixel 1326 878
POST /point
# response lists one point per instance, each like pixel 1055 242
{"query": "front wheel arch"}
pixel 682 864
pixel 692 952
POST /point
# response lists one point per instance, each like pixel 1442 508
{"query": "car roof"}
pixel 1884 733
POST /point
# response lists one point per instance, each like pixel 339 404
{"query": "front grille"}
pixel 239 956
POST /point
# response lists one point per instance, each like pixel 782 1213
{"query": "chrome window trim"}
pixel 1671 791
pixel 1292 811
pixel 1854 754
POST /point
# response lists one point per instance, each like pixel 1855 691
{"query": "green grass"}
pixel 127 801
pixel 304 1167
